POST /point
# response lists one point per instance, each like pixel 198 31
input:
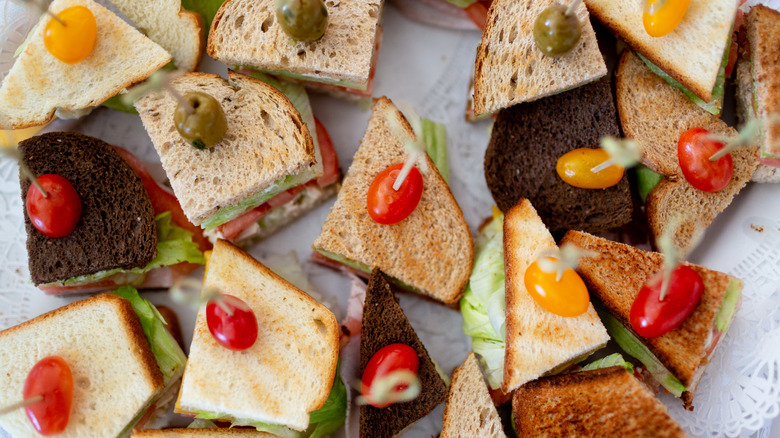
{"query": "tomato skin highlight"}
pixel 568 297
pixel 235 332
pixel 51 378
pixel 73 42
pixel 387 206
pixel 57 214
pixel 651 318
pixel 389 358
pixel 694 150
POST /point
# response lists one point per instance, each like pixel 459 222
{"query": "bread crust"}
pixel 763 32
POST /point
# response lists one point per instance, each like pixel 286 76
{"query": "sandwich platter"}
pixel 430 68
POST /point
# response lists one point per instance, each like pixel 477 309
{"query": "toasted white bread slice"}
pixel 115 374
pixel 763 32
pixel 764 173
pixel 538 342
pixel 469 411
pixel 511 69
pixel 176 29
pixel 203 433
pixel 431 251
pixel 286 374
pixel 38 83
pixel 692 53
pixel 265 143
pixel 655 114
pixel 246 32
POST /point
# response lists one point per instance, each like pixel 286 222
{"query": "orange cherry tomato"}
pixel 567 297
pixel 50 378
pixel 574 168
pixel 661 16
pixel 387 206
pixel 74 41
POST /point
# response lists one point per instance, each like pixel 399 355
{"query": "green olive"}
pixel 204 124
pixel 304 20
pixel 556 32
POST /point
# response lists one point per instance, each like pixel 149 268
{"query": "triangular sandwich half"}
pixel 289 371
pixel 189 432
pixel 677 359
pixel 692 55
pixel 266 150
pixel 429 252
pixel 510 68
pixel 38 83
pixel 469 411
pixel 594 403
pixel 655 114
pixel 538 342
pixel 247 33
pixel 384 323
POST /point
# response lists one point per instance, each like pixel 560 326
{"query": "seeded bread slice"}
pixel 115 374
pixel 596 403
pixel 764 173
pixel 289 370
pixel 384 323
pixel 470 411
pixel 266 141
pixel 692 53
pixel 615 277
pixel 538 342
pixel 117 228
pixel 431 251
pixel 38 83
pixel 511 69
pixel 763 32
pixel 246 32
pixel 176 29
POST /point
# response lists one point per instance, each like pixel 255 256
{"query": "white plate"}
pixel 430 68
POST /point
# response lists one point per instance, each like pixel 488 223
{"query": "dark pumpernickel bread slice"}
pixel 384 323
pixel 525 145
pixel 117 228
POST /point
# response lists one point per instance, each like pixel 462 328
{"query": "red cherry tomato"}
pixel 52 379
pixel 390 358
pixel 694 150
pixel 57 214
pixel 234 332
pixel 387 206
pixel 651 318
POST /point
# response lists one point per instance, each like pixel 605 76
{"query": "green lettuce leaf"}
pixel 435 138
pixel 729 305
pixel 201 424
pixel 646 181
pixel 462 3
pixel 614 359
pixel 326 420
pixel 174 245
pixel 482 305
pixel 170 357
pixel 206 8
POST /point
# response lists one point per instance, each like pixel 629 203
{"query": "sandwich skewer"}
pixel 42 5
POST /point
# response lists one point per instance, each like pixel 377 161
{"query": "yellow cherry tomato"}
pixel 661 16
pixel 74 41
pixel 567 297
pixel 574 168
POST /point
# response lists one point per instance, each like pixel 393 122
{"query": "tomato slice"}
pixel 478 12
pixel 330 160
pixel 650 317
pixel 389 358
pixel 162 200
pixel 231 230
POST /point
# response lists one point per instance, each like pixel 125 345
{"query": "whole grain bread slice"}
pixel 469 411
pixel 384 323
pixel 431 251
pixel 615 277
pixel 38 83
pixel 538 342
pixel 692 53
pixel 174 28
pixel 266 141
pixel 510 68
pixel 597 403
pixel 289 370
pixel 104 345
pixel 763 32
pixel 246 32
pixel 117 227
pixel 203 433
pixel 525 144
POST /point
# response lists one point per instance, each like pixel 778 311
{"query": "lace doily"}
pixel 430 68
